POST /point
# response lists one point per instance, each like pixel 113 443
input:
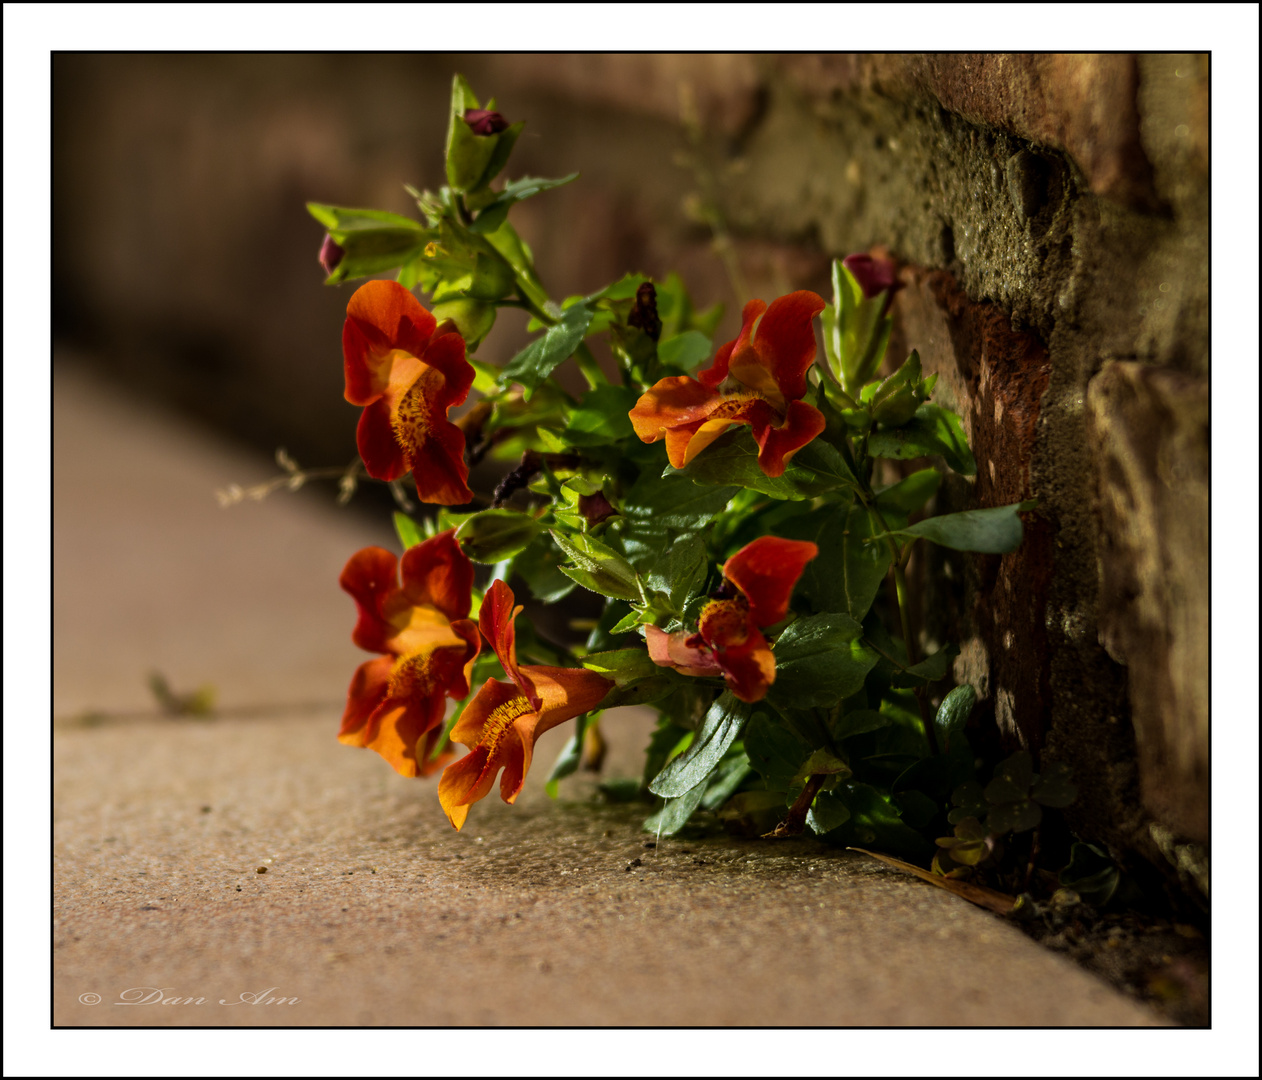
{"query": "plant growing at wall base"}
pixel 738 507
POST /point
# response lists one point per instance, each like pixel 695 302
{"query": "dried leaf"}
pixel 990 899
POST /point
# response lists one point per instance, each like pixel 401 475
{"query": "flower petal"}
pixel 488 727
pixel 437 574
pixel 383 456
pixel 718 371
pixel 370 577
pixel 673 651
pixel 368 689
pixel 766 571
pixel 777 443
pixel 496 619
pixel 671 403
pixel 382 317
pixel 786 340
pixel 432 445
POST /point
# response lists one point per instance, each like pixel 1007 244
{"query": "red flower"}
pixel 428 645
pixel 759 379
pixel 504 721
pixel 407 378
pixel 758 581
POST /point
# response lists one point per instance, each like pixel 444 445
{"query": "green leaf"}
pixel 537 566
pixel 1053 786
pixel 1091 874
pixel 858 722
pixel 733 459
pixel 567 761
pixel 680 571
pixel 827 812
pixel 345 219
pixel 819 661
pixel 722 725
pixel 876 820
pixel 915 808
pixel 538 359
pixel 601 417
pixel 1014 816
pixel 664 742
pixel 624 666
pixel 996 531
pixel 490 536
pixel 969 800
pixel 910 493
pixel 493 215
pixel 953 714
pixel 409 532
pixel 927 671
pixel 675 814
pixel 822 763
pixel 516 253
pixel 597 567
pixel 727 778
pixel 776 752
pixel 862 565
pixel 933 430
pixel 655 688
pixel 685 351
pixel 673 501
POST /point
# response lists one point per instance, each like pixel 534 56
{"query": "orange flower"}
pixel 757 583
pixel 395 705
pixel 759 379
pixel 504 721
pixel 407 378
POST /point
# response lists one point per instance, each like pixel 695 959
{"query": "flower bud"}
pixel 595 508
pixel 485 121
pixel 874 276
pixel 331 253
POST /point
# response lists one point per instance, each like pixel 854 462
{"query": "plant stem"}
pixel 588 366
pixel 795 820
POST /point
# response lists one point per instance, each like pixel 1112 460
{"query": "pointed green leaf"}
pixel 492 535
pixel 538 359
pixel 675 814
pixel 409 532
pixel 733 459
pixel 597 567
pixel 997 530
pixel 776 752
pixel 933 430
pixel 819 661
pixel 719 729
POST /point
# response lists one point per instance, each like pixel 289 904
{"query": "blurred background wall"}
pixel 1049 214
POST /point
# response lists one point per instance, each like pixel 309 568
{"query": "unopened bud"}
pixel 331 253
pixel 874 276
pixel 485 121
pixel 595 508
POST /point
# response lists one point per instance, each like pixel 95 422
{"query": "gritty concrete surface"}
pixel 211 859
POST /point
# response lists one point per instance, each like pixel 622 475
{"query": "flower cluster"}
pixel 730 506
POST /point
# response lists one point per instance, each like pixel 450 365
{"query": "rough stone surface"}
pixel 254 855
pixel 1150 434
pixel 1084 104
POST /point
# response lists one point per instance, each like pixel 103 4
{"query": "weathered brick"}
pixel 1081 103
pixel 994 377
pixel 1150 437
